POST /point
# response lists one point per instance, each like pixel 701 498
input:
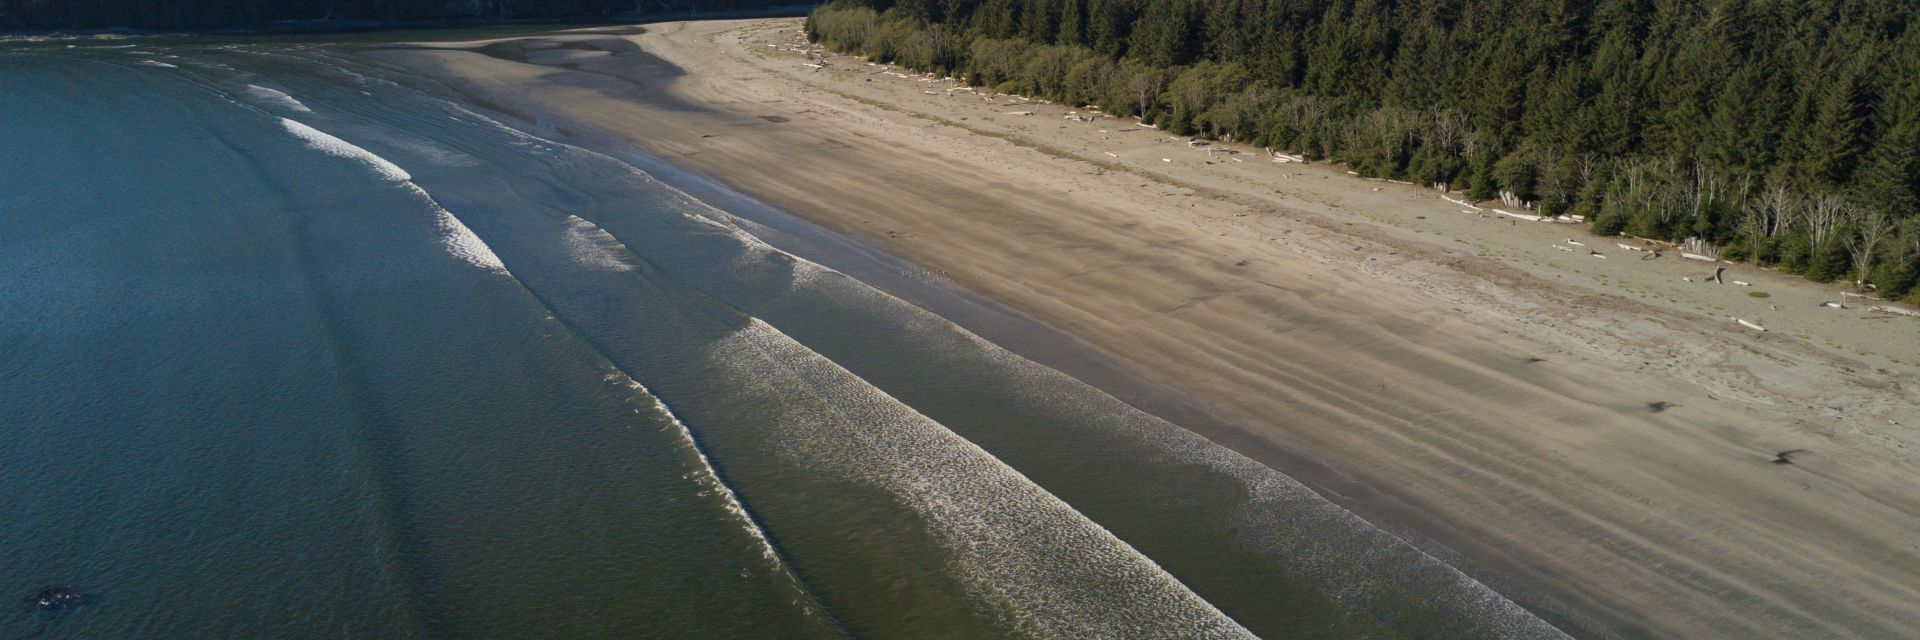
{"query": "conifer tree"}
pixel 1674 119
pixel 1073 22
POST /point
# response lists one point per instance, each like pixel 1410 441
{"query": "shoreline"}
pixel 353 26
pixel 1033 340
pixel 1506 495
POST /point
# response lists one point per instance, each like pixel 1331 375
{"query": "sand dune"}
pixel 1593 437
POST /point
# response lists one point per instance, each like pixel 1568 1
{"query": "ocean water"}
pixel 293 347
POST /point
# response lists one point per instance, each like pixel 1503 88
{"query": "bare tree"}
pixel 1647 191
pixel 1870 228
pixel 1352 135
pixel 1445 131
pixel 1103 75
pixel 1557 179
pixel 1703 191
pixel 1390 130
pixel 1309 111
pixel 1824 214
pixel 1585 166
pixel 1782 209
pixel 1767 215
pixel 1146 89
pixel 1753 225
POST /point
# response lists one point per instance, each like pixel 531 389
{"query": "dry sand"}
pixel 1490 392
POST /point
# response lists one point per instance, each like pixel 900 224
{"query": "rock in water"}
pixel 56 599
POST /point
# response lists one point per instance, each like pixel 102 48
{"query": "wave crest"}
pixel 326 143
pixel 278 98
pixel 1041 565
pixel 454 234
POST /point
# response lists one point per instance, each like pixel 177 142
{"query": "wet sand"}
pixel 1592 436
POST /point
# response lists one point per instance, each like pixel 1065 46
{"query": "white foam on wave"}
pixel 1042 566
pixel 458 239
pixel 349 74
pixel 1281 515
pixel 417 145
pixel 593 247
pixel 709 477
pixel 801 270
pixel 325 142
pixel 433 152
pixel 277 98
pixel 521 138
pixel 454 234
pixel 156 63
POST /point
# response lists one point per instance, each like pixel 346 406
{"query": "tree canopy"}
pixel 1785 132
pixel 46 15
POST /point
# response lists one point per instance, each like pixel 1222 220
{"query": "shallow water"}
pixel 293 348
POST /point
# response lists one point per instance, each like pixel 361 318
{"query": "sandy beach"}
pixel 1593 435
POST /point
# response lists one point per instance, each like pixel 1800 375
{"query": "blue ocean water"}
pixel 292 347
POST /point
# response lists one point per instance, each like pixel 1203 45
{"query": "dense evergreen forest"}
pixel 1784 132
pixel 40 15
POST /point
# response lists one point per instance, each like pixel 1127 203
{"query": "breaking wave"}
pixel 708 478
pixel 1280 515
pixel 458 239
pixel 1031 554
pixel 277 98
pixel 325 142
pixel 1021 551
pixel 594 247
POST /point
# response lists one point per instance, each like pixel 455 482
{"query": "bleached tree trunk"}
pixel 1781 208
pixel 1704 191
pixel 1754 225
pixel 1585 166
pixel 1562 176
pixel 1642 176
pixel 1144 92
pixel 1823 215
pixel 1870 228
pixel 1444 134
pixel 1772 211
